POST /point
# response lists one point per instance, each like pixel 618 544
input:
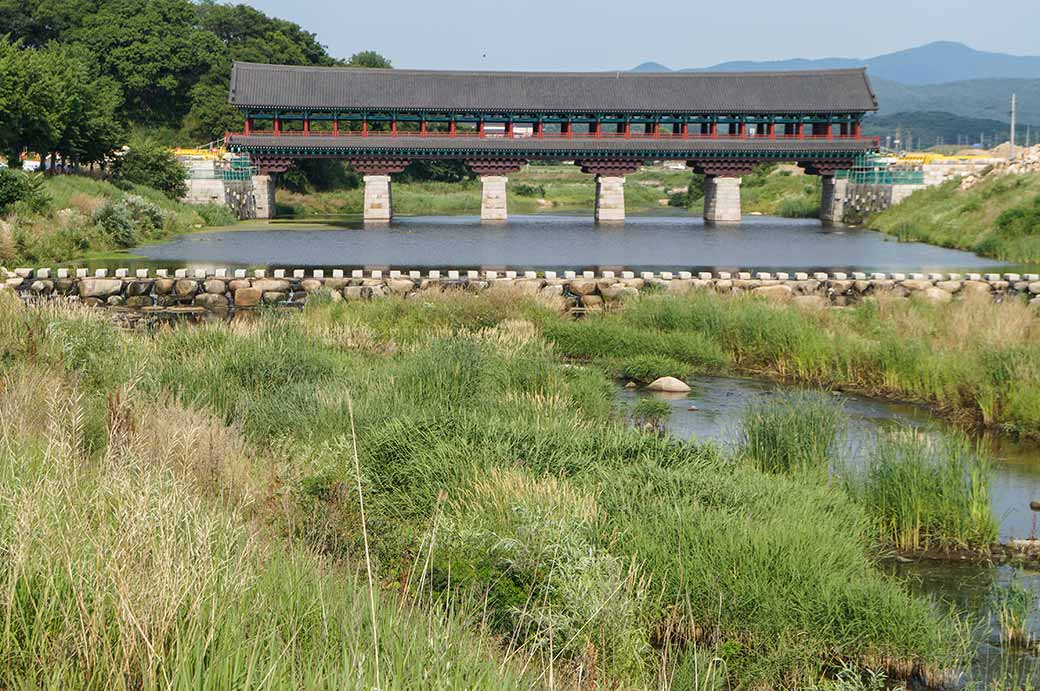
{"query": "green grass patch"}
pixel 793 433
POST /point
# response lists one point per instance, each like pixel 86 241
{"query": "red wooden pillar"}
pixel 742 130
pixel 306 125
pixel 713 130
pixel 771 130
pixel 480 128
pixel 364 127
pixel 393 127
pixel 277 125
pixel 828 131
pixel 857 130
pixel 248 126
pixel 335 125
pixel 422 128
pixel 628 130
pixel 684 130
pixel 451 128
pixel 799 130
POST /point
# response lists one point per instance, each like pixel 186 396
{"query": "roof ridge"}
pixel 551 73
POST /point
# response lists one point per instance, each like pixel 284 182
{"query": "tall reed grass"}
pixel 799 432
pixel 925 491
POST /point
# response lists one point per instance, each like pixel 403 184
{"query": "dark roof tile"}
pixel 345 88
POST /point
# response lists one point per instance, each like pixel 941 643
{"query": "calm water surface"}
pixel 650 242
pixel 720 403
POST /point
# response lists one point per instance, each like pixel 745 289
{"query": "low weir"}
pixel 221 292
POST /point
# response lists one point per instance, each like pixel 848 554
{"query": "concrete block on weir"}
pixel 1012 278
pixel 319 273
pixel 550 275
pixel 898 277
pixel 859 276
pixel 992 277
pixel 705 275
pixel 473 275
pixel 63 273
pixel 879 276
pixel 764 276
pixel 81 273
pixel 685 275
pixel 200 273
pixel 357 273
pixel 666 275
pixel 510 274
pixel 101 273
pixel 163 273
pixel 337 273
pixel 782 276
pixel 434 274
pixel 530 274
pixel 43 273
pixel 936 277
pixel 568 275
pixel 240 273
pixel 839 276
pixel 917 277
pixel 260 273
pixel 220 273
pixel 820 276
pixel 411 274
pixel 122 273
pixel 588 274
pixel 628 274
pixel 453 275
pixel 490 275
pixel 974 277
pixel 647 275
pixel 376 273
pixel 725 275
pixel 801 276
pixel 744 275
pixel 395 274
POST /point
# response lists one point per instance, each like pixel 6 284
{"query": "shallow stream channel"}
pixel 713 410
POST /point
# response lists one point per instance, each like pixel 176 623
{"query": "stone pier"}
pixel 610 187
pixel 610 198
pixel 722 199
pixel 493 198
pixel 263 196
pixel 493 178
pixel 378 200
pixel 832 199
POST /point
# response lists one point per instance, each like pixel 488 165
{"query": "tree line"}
pixel 79 77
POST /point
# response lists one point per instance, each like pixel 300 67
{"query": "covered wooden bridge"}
pixel 609 123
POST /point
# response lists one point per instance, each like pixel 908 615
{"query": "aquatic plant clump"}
pixel 792 433
pixel 926 491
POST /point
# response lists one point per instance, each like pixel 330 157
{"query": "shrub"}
pixel 799 207
pixel 525 190
pixel 216 214
pixel 17 187
pixel 153 165
pixel 117 223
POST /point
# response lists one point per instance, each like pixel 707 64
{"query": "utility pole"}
pixel 1012 155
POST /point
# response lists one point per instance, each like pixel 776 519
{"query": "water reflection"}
pixel 651 242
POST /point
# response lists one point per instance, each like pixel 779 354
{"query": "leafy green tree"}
pixel 154 49
pixel 368 58
pixel 149 163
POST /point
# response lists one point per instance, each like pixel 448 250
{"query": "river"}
pixel 651 242
pixel 719 403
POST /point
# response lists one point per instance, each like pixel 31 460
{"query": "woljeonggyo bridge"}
pixel 721 124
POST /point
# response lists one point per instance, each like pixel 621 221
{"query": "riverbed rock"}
pixel 272 285
pixel 99 287
pixel 949 286
pixel 239 283
pixel 215 286
pixel 669 384
pixel 936 295
pixel 164 286
pixel 810 302
pixel 592 302
pixel 551 291
pixel 975 288
pixel 916 284
pixel 581 286
pixel 115 301
pixel 212 301
pixel 1034 288
pixel 529 286
pixel 777 293
pixel 311 285
pixel 248 297
pixel 400 286
pixel 186 287
pixel 42 287
pixel 139 301
pixel 137 288
pixel 273 297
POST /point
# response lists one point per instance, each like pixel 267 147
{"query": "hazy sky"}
pixel 615 34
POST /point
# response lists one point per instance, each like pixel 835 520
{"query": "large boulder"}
pixel 400 286
pixel 212 301
pixel 936 295
pixel 215 286
pixel 248 297
pixel 583 286
pixel 272 285
pixel 99 287
pixel 186 287
pixel 669 384
pixel 777 293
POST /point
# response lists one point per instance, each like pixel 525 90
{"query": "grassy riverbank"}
pixel 180 508
pixel 974 360
pixel 999 217
pixel 75 216
pixel 544 188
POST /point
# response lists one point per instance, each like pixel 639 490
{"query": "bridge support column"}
pixel 610 198
pixel 832 199
pixel 378 200
pixel 263 196
pixel 722 199
pixel 610 186
pixel 493 198
pixel 493 181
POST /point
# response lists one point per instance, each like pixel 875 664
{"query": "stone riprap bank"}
pixel 220 291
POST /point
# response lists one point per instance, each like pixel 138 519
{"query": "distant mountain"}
pixel 977 98
pixel 933 63
pixel 933 127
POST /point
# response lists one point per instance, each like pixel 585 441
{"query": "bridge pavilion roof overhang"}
pixel 344 89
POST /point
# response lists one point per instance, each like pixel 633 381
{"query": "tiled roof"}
pixel 347 88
